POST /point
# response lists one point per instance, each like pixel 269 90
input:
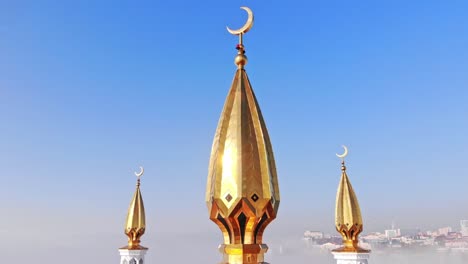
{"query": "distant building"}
pixel 454 235
pixel 375 238
pixel 464 227
pixel 391 233
pixel 313 235
pixel 444 231
pixel 456 244
pixel 395 243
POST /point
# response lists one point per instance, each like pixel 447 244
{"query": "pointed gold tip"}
pixel 135 224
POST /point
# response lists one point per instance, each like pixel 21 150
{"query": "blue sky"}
pixel 90 91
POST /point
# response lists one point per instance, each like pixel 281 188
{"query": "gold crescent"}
pixel 342 156
pixel 140 173
pixel 248 25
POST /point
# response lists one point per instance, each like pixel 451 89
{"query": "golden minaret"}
pixel 135 224
pixel 135 227
pixel 242 191
pixel 348 219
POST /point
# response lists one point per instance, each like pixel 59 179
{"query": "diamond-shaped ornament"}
pixel 254 197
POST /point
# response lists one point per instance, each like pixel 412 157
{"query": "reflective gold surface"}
pixel 242 191
pixel 348 214
pixel 135 224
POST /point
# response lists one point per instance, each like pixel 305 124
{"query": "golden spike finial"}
pixel 241 59
pixel 348 219
pixel 139 174
pixel 136 223
pixel 342 157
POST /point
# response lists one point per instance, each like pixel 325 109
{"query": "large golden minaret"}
pixel 348 219
pixel 242 191
pixel 135 227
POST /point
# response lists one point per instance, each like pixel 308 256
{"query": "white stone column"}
pixel 351 257
pixel 132 256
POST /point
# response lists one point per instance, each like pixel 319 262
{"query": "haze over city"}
pixel 91 90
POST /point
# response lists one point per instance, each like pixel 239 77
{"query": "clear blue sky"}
pixel 90 91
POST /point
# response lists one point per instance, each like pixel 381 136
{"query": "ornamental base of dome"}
pixel 243 253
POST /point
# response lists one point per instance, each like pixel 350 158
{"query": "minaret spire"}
pixel 348 220
pixel 135 226
pixel 242 191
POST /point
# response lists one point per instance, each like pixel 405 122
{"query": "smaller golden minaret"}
pixel 348 219
pixel 135 227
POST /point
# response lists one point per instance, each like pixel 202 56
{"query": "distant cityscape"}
pixel 443 239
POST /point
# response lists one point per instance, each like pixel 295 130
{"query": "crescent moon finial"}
pixel 247 26
pixel 241 59
pixel 342 156
pixel 142 170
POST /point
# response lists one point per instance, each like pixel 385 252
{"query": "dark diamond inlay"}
pixel 254 197
pixel 228 197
